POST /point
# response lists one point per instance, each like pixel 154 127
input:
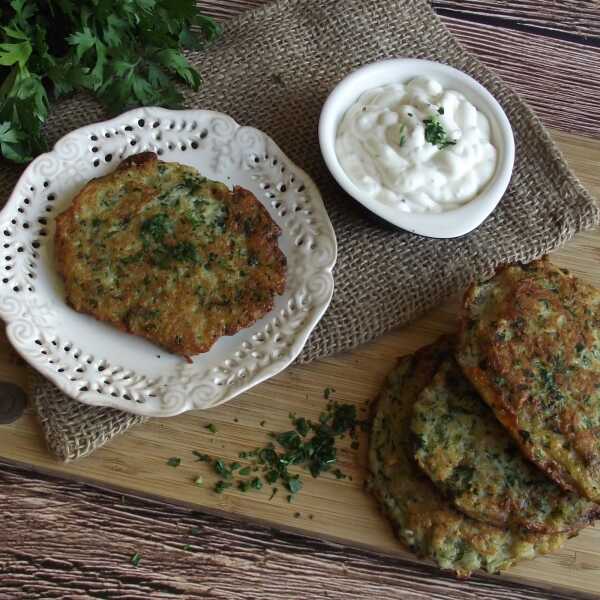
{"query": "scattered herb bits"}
pixel 135 559
pixel 221 486
pixel 339 474
pixel 436 134
pixel 402 134
pixel 211 428
pixel 310 445
pixel 174 461
pixel 243 486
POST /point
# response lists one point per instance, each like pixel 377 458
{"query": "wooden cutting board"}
pixel 326 507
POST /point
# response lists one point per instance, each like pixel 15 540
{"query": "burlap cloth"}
pixel 273 69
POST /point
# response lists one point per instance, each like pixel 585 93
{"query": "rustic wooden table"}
pixel 66 539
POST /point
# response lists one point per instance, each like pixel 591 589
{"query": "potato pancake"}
pixel 477 465
pixel 161 252
pixel 530 344
pixel 422 518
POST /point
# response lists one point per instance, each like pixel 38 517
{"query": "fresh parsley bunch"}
pixel 125 52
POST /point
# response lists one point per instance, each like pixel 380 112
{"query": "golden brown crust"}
pixel 421 517
pixel 474 462
pixel 158 251
pixel 529 343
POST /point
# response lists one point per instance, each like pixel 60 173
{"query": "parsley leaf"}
pixel 174 461
pixel 126 53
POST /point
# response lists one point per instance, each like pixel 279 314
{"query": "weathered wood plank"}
pixel 68 540
pixel 559 79
pixel 225 9
pixel 578 19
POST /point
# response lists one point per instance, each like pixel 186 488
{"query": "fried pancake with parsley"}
pixel 530 344
pixel 476 464
pixel 422 518
pixel 161 252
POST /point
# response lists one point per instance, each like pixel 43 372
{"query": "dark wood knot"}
pixel 12 402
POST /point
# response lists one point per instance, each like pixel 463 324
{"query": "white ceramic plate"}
pixel 95 363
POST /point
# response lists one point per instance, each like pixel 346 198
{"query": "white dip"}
pixel 416 146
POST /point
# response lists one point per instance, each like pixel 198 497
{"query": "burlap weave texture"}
pixel 273 70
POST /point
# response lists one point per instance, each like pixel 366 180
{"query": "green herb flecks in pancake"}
pixel 475 462
pixel 530 344
pixel 159 251
pixel 422 518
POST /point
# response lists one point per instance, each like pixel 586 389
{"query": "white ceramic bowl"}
pixel 448 224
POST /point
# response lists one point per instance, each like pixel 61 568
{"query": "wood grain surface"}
pixel 66 539
pixel 570 19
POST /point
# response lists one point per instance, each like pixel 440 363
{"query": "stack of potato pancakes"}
pixel 485 447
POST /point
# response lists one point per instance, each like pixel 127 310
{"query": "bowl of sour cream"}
pixel 420 144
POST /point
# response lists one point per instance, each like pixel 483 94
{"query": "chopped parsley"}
pixel 311 445
pixel 243 486
pixel 436 134
pixel 327 392
pixel 221 486
pixel 211 428
pixel 294 484
pixel 135 559
pixel 402 139
pixel 174 461
pixel 156 227
pixel 302 426
pixel 221 469
pixel 184 252
pixel 199 481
